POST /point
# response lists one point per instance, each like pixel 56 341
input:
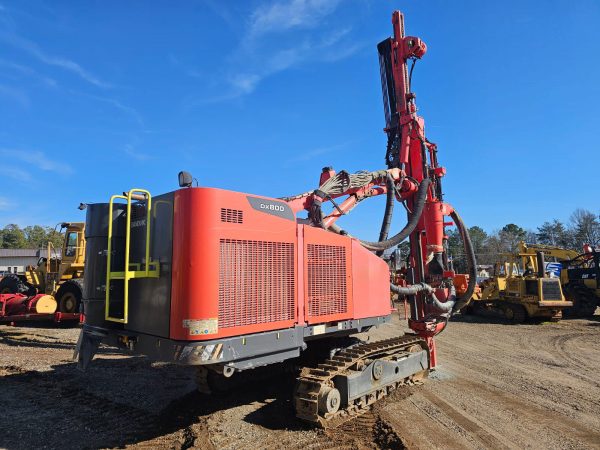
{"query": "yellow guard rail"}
pixel 151 269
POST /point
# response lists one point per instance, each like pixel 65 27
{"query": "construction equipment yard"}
pixel 497 386
pixel 241 308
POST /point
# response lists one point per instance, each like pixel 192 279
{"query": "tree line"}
pixel 583 227
pixel 35 237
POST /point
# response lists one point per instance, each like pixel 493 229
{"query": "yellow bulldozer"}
pixel 59 274
pixel 521 289
pixel 579 276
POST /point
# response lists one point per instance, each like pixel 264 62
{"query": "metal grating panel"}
pixel 232 215
pixel 551 289
pixel 256 282
pixel 326 280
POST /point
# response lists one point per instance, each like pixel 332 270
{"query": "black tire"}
pixel 68 296
pixel 584 301
pixel 12 284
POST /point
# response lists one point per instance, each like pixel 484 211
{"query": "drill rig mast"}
pixel 414 177
pixel 409 150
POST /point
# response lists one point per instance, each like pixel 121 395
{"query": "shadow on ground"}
pixel 120 402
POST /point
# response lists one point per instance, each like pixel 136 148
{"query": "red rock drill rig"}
pixel 230 281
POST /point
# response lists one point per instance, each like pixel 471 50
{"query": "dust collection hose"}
pixel 389 210
pixel 421 196
pixel 471 262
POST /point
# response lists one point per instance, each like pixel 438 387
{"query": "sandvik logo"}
pixel 138 223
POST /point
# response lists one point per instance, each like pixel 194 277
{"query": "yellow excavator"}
pixel 521 289
pixel 56 274
pixel 579 276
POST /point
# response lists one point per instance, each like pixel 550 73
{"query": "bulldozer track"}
pixel 312 381
pixel 563 347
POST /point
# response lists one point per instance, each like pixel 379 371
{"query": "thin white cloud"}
pixel 58 61
pixel 325 49
pixel 312 153
pixel 286 15
pixel 28 71
pixel 302 38
pixel 38 159
pixel 16 174
pixel 132 112
pixel 221 10
pixel 187 70
pixel 136 154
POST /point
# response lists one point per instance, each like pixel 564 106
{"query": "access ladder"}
pixel 131 270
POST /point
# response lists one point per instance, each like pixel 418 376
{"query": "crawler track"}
pixel 313 381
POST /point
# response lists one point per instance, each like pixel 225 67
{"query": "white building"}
pixel 15 260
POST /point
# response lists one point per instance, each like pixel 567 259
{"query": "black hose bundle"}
pixel 410 290
pixel 448 305
pixel 452 304
pixel 389 210
pixel 471 262
pixel 413 220
pixel 444 307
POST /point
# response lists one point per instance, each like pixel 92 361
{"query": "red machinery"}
pixel 230 281
pixel 22 308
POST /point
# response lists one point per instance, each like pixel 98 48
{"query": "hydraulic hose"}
pixel 444 307
pixel 421 196
pixel 449 304
pixel 410 290
pixel 471 262
pixel 389 210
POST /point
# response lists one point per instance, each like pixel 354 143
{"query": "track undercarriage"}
pixel 346 384
pixel 336 389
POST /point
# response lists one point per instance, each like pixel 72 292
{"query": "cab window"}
pixel 71 247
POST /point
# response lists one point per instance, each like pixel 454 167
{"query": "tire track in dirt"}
pixel 473 431
pixel 547 423
pixel 544 419
pixel 564 346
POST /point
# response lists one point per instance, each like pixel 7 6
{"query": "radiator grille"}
pixel 551 290
pixel 256 282
pixel 232 215
pixel 326 280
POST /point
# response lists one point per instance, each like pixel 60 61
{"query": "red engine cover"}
pixel 236 261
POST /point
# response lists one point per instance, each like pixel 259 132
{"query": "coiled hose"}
pixel 421 196
pixel 444 307
pixel 410 290
pixel 452 304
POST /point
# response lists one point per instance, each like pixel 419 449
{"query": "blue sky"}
pixel 257 96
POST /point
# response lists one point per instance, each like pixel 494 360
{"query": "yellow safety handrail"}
pixel 150 271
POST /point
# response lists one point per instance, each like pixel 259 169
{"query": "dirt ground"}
pixel 497 386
